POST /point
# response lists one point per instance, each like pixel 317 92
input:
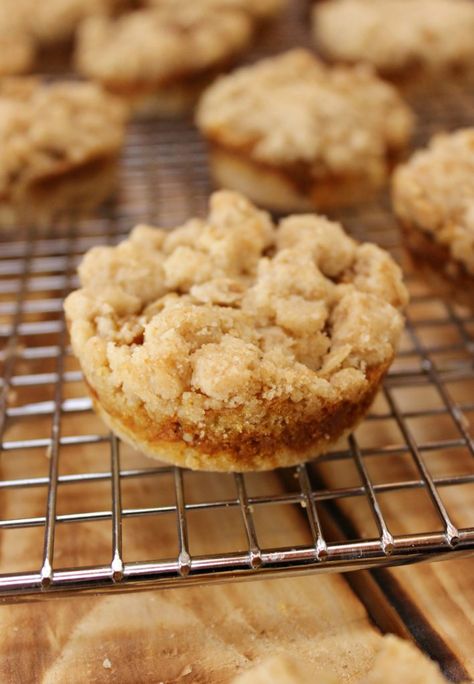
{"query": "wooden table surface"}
pixel 208 634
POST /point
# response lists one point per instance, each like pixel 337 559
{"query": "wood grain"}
pixel 204 635
pixel 435 601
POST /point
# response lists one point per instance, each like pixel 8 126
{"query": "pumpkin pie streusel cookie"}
pixel 230 345
pixel 160 59
pixel 293 134
pixel 433 197
pixel 59 143
pixel 396 37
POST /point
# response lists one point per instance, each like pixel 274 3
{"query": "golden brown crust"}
pixel 239 346
pixel 435 191
pixel 75 192
pixel 287 188
pixel 312 436
pixel 447 275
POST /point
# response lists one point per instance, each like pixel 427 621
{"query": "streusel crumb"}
pixel 293 109
pixel 241 340
pixel 159 45
pixel 392 35
pixel 434 191
pixel 48 129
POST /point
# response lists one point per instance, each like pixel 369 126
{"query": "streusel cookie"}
pixel 59 142
pixel 433 197
pixel 398 38
pixel 293 134
pixel 160 59
pixel 230 345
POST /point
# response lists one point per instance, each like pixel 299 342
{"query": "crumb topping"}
pixel 434 191
pixel 232 311
pixel 292 108
pixel 160 44
pixel 46 130
pixel 392 36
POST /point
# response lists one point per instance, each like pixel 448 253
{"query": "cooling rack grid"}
pixel 80 512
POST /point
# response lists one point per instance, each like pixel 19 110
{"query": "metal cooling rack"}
pixel 80 512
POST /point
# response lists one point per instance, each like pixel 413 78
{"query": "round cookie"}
pixel 293 134
pixel 433 198
pixel 59 145
pixel 228 344
pixel 160 59
pixel 399 39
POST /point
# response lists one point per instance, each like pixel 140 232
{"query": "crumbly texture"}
pixel 434 192
pixel 149 48
pixel 233 340
pixel 293 110
pixel 259 9
pixel 392 36
pixel 47 130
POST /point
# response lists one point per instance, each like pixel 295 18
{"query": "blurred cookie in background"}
pixel 59 146
pixel 295 135
pixel 159 59
pixel 433 198
pixel 400 38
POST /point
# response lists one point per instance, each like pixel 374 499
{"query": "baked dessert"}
pixel 433 198
pixel 398 40
pixel 159 59
pixel 293 134
pixel 230 345
pixel 396 661
pixel 59 145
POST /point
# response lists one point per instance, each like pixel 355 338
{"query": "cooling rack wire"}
pixel 81 512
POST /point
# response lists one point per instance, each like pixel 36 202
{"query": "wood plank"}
pixel 434 601
pixel 205 634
